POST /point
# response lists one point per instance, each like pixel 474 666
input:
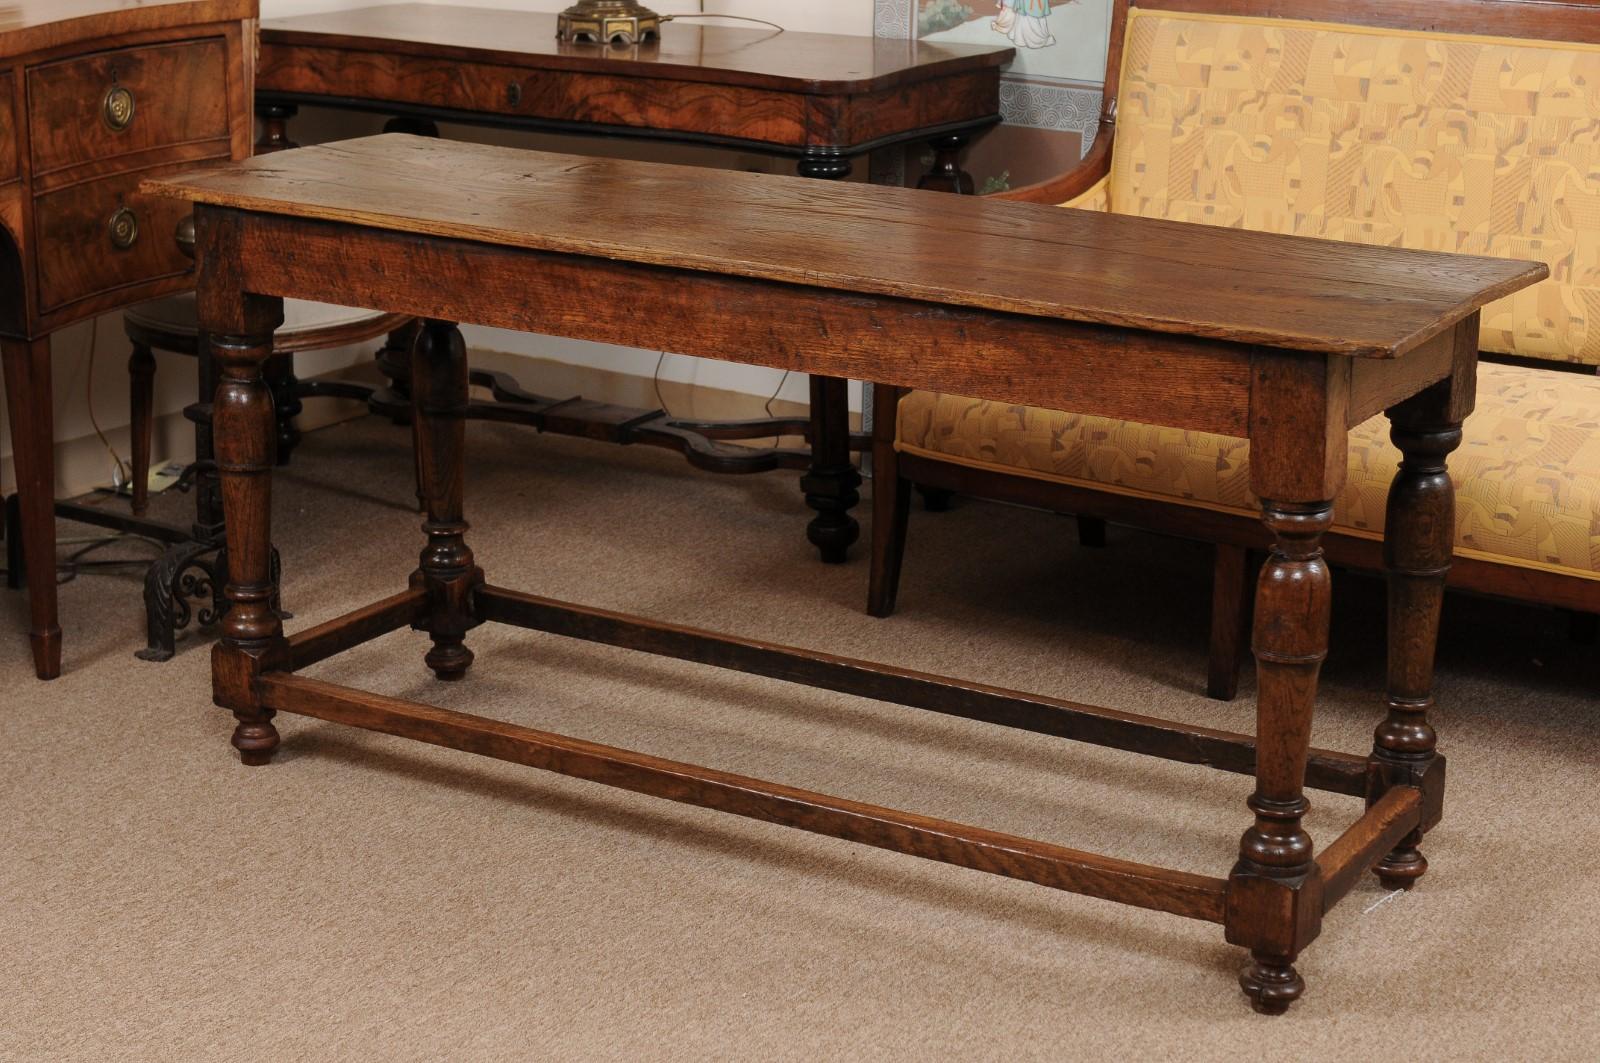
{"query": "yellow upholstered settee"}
pixel 1347 121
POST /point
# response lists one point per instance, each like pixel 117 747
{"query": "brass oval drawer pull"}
pixel 117 108
pixel 123 228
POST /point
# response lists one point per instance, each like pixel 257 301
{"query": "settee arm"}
pixel 1074 183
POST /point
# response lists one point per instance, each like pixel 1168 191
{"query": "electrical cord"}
pixel 655 378
pixel 88 395
pixel 735 18
pixel 776 440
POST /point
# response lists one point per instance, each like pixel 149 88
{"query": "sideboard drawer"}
pixel 100 106
pixel 101 235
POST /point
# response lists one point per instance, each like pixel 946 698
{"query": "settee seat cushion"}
pixel 1527 474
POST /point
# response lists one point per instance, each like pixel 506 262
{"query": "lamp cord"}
pixel 94 335
pixel 736 18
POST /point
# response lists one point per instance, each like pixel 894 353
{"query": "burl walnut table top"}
pixel 1040 261
pixel 821 63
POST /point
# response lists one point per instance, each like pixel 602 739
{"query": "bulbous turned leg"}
pixel 1420 535
pixel 1270 983
pixel 245 439
pixel 1401 869
pixel 947 174
pixel 450 658
pixel 1274 901
pixel 439 393
pixel 831 484
pixel 255 738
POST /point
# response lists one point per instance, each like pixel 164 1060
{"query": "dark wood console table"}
pixel 821 99
pixel 1286 341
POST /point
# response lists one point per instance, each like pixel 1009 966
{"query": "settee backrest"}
pixel 1453 125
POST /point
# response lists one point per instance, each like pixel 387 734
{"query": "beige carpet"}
pixel 369 898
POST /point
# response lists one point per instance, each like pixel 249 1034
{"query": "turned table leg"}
pixel 1272 891
pixel 245 439
pixel 1418 542
pixel 831 484
pixel 947 174
pixel 27 376
pixel 439 394
pixel 285 387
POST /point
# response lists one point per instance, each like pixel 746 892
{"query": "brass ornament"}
pixel 608 22
pixel 117 108
pixel 123 229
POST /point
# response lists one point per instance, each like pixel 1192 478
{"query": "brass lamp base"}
pixel 608 21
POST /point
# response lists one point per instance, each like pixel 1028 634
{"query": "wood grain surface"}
pixel 174 86
pixel 756 56
pixel 34 25
pixel 1169 277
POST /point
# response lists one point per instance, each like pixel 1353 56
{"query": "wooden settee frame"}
pixel 1233 535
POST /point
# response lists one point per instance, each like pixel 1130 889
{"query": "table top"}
pixel 32 25
pixel 817 63
pixel 1042 261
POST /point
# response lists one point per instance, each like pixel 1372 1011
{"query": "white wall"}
pixel 813 16
pixel 81 459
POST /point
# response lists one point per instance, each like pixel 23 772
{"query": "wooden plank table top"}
pixel 1280 291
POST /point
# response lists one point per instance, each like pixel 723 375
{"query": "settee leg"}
pixel 936 499
pixel 1231 598
pixel 891 505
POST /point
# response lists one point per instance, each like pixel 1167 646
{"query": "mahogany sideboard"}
pixel 1287 341
pixel 821 99
pixel 95 96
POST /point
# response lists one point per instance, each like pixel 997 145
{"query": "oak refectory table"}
pixel 823 100
pixel 1283 340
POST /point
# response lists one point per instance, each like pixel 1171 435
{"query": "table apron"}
pixel 1182 382
pixel 662 106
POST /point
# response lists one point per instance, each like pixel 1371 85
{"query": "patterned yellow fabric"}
pixel 1527 474
pixel 1096 197
pixel 1376 136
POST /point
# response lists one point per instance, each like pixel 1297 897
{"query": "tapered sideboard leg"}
pixel 29 404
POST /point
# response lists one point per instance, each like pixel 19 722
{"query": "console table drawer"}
pixel 102 235
pixel 115 103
